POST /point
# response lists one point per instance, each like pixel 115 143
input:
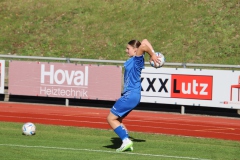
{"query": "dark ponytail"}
pixel 134 43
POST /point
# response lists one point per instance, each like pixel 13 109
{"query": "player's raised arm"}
pixel 147 47
pixel 146 42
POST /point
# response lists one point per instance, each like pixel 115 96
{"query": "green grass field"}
pixel 61 143
pixel 192 31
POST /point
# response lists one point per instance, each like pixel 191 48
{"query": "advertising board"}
pixel 65 80
pixel 196 87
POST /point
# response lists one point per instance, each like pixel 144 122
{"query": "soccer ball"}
pixel 161 58
pixel 29 129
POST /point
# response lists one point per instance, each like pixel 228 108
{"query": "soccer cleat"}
pixel 130 149
pixel 125 147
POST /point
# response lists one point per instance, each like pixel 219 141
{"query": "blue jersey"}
pixel 132 74
pixel 132 87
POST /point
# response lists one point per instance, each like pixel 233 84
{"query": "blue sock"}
pixel 121 132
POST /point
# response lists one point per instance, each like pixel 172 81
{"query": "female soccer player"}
pixel 132 89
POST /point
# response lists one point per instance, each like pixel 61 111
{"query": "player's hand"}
pixel 155 59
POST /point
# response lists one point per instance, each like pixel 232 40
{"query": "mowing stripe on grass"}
pixel 103 151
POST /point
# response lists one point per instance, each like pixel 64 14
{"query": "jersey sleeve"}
pixel 139 62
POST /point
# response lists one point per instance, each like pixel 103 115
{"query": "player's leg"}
pixel 121 121
pixel 114 122
pixel 119 111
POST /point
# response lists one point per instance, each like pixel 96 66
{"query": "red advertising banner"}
pixel 192 86
pixel 64 80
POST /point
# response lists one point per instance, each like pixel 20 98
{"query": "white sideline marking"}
pixel 103 151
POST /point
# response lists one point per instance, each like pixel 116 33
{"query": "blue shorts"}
pixel 125 104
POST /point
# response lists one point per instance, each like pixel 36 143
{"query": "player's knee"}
pixel 109 119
